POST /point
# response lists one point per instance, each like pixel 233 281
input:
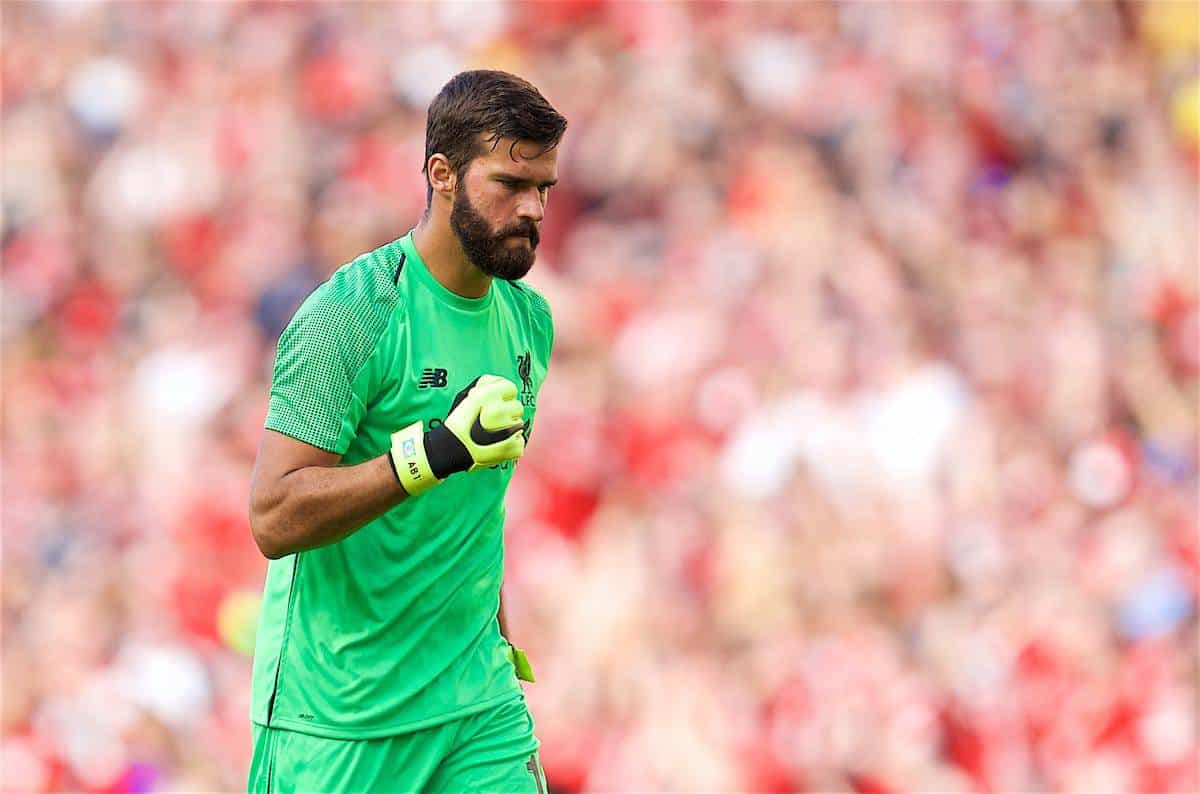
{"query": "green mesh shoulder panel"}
pixel 315 383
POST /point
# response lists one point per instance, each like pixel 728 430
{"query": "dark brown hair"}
pixel 496 104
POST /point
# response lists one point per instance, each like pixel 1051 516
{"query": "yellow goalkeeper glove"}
pixel 483 428
pixel 521 662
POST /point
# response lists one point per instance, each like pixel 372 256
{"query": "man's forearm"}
pixel 517 656
pixel 500 617
pixel 318 505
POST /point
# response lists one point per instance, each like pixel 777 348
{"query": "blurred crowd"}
pixel 867 460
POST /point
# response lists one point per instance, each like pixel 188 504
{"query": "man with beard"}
pixel 403 394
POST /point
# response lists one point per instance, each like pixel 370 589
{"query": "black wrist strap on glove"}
pixel 447 455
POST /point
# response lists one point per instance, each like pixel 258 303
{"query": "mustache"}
pixel 524 230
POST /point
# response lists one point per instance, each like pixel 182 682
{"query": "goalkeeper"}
pixel 403 395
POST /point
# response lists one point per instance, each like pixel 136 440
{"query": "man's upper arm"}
pixel 279 455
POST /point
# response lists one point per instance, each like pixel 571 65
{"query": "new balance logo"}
pixel 432 378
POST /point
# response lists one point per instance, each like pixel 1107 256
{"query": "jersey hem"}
pixel 334 732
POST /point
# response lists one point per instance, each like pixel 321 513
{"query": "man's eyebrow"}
pixel 516 180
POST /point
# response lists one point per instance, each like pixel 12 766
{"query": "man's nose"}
pixel 531 207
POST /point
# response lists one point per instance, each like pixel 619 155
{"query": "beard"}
pixel 490 251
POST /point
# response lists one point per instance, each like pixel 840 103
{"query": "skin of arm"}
pixel 300 498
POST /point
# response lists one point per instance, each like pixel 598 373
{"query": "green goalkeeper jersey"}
pixel 394 628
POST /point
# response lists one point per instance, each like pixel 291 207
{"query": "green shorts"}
pixel 493 750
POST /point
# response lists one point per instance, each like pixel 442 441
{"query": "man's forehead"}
pixel 524 159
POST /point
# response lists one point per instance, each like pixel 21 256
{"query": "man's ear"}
pixel 441 175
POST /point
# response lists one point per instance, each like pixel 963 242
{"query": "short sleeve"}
pixel 318 394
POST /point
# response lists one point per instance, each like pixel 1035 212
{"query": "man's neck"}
pixel 443 255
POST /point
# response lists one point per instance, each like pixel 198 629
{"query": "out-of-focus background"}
pixel 867 460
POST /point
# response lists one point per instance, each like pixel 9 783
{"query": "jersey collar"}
pixel 444 295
